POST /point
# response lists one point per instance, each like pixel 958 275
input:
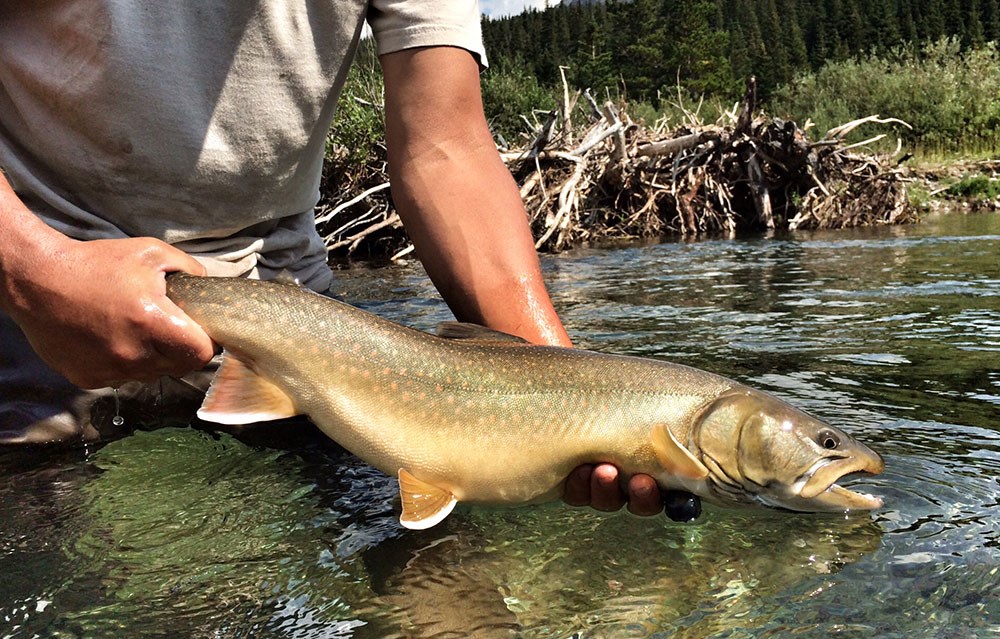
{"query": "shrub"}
pixel 950 97
pixel 358 131
pixel 509 94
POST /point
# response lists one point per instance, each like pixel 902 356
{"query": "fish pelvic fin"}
pixel 675 458
pixel 238 395
pixel 424 504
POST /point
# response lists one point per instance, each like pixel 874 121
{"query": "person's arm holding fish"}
pixel 95 311
pixel 465 216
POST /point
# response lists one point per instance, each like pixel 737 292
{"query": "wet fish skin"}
pixel 483 417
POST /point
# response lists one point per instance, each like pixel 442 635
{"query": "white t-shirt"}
pixel 199 122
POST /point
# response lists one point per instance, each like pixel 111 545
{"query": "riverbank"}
pixel 588 172
pixel 971 186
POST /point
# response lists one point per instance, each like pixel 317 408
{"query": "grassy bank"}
pixel 949 96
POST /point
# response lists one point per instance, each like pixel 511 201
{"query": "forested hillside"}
pixel 642 46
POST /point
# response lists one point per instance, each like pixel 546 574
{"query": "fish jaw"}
pixel 762 451
pixel 818 491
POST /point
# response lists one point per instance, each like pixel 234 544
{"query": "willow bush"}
pixel 950 96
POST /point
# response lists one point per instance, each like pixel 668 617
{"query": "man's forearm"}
pixel 472 235
pixel 459 203
pixel 24 239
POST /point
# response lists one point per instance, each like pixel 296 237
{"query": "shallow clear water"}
pixel 892 334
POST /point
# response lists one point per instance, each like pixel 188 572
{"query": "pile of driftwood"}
pixel 749 172
pixel 612 178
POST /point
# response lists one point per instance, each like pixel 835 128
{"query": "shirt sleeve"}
pixel 405 24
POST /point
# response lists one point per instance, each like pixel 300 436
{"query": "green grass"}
pixel 975 187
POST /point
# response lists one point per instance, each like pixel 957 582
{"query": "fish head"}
pixel 782 457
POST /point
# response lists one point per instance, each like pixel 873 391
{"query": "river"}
pixel 892 334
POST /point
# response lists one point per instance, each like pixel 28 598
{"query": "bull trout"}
pixel 474 415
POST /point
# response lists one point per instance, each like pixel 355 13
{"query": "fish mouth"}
pixel 820 492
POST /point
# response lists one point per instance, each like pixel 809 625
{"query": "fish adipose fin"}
pixel 424 505
pixel 238 395
pixel 674 458
pixel 477 333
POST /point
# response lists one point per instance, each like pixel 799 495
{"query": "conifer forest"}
pixel 642 46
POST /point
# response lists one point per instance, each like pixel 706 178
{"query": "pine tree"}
pixel 931 25
pixel 973 35
pixel 907 25
pixel 814 19
pixel 592 66
pixel 793 40
pixel 883 25
pixel 774 68
pixel 991 20
pixel 700 53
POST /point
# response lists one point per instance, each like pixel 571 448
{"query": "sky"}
pixel 498 8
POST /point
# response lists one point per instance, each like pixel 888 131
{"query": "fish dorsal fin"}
pixel 238 395
pixel 477 333
pixel 674 458
pixel 424 505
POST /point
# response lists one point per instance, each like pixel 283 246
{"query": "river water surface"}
pixel 891 334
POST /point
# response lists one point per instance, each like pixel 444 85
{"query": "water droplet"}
pixel 117 420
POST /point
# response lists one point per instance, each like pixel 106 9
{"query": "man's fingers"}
pixel 577 489
pixel 605 493
pixel 598 486
pixel 644 496
pixel 169 259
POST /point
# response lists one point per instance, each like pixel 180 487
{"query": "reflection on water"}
pixel 893 334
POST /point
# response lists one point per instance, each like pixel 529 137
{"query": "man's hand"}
pixel 97 312
pixel 598 487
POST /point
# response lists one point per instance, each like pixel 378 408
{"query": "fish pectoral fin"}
pixel 424 505
pixel 477 333
pixel 238 395
pixel 674 457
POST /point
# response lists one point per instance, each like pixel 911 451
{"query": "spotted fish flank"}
pixel 477 416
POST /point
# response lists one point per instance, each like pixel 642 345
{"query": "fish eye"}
pixel 828 440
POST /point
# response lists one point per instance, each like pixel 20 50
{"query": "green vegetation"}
pixel 918 195
pixel 638 47
pixel 829 61
pixel 358 130
pixel 512 95
pixel 950 97
pixel 976 187
pixel 641 47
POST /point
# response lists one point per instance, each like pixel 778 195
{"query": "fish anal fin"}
pixel 238 395
pixel 424 504
pixel 675 458
pixel 477 333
